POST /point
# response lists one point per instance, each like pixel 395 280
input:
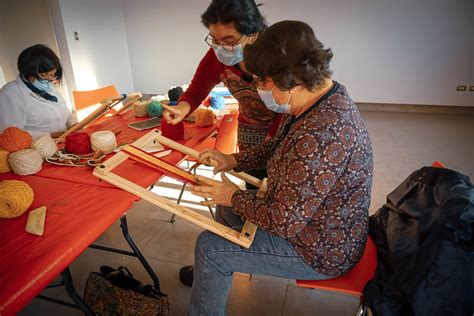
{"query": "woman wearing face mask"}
pixel 30 102
pixel 232 24
pixel 313 219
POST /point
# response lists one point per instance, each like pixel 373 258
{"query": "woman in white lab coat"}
pixel 31 102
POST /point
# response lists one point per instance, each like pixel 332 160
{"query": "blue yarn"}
pixel 154 109
pixel 217 102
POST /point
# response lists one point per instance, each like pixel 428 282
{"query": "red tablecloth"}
pixel 79 209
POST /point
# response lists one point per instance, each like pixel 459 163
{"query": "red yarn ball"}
pixel 78 143
pixel 174 132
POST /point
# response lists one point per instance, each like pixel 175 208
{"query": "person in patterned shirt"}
pixel 313 221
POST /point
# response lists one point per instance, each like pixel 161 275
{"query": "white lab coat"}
pixel 21 107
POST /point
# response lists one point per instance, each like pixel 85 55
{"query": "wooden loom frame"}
pixel 106 105
pixel 105 172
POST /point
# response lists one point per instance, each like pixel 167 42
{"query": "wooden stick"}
pixel 131 99
pixel 192 153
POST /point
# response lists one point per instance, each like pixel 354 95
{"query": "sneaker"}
pixel 186 275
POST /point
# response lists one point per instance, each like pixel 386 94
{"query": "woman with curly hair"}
pixel 312 222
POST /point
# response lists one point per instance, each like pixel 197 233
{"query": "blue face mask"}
pixel 43 85
pixel 270 103
pixel 229 58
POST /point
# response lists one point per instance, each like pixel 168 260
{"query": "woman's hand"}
pixel 216 192
pixel 175 114
pixel 224 162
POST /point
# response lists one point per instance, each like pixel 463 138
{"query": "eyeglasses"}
pixel 212 42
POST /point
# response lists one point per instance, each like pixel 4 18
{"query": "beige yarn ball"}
pixel 104 141
pixel 4 166
pixel 25 162
pixel 45 145
pixel 140 108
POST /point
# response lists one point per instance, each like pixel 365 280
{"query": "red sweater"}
pixel 255 120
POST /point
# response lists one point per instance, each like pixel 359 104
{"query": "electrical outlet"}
pixel 471 88
pixel 76 35
pixel 461 88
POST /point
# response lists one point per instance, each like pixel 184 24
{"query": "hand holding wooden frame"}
pixel 104 171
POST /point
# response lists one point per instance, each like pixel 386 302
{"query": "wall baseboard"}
pixel 415 108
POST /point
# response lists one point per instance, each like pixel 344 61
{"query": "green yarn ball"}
pixel 154 109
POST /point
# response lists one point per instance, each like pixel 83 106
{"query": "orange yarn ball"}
pixel 14 139
pixel 4 165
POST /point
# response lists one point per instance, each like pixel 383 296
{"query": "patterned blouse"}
pixel 319 183
pixel 256 122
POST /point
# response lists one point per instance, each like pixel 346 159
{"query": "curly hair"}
pixel 244 14
pixel 290 54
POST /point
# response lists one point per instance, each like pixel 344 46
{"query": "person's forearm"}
pixel 184 106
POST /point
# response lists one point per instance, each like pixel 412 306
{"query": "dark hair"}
pixel 38 59
pixel 290 54
pixel 244 14
pixel 175 93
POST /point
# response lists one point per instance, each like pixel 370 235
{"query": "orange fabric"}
pixel 354 281
pixel 79 209
pixel 83 99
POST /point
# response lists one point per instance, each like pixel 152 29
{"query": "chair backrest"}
pixel 87 101
pixel 355 280
pixel 226 139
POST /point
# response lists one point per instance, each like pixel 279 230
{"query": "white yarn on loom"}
pixel 45 145
pixel 25 162
pixel 104 141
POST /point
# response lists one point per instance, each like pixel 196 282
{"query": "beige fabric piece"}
pixel 36 220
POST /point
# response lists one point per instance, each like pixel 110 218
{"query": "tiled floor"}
pixel 402 142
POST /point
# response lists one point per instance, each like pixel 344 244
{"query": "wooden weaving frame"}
pixel 105 172
pixel 106 105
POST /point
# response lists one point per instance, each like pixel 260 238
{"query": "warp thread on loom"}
pixel 25 162
pixel 140 108
pixel 155 108
pixel 78 143
pixel 14 139
pixel 4 166
pixel 174 132
pixel 104 141
pixel 45 145
pixel 15 198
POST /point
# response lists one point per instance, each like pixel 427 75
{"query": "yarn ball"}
pixel 78 143
pixel 154 109
pixel 175 93
pixel 15 198
pixel 45 145
pixel 204 117
pixel 25 162
pixel 174 132
pixel 218 102
pixel 14 139
pixel 104 141
pixel 140 108
pixel 4 166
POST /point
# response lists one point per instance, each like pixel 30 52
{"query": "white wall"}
pixel 100 56
pixel 386 51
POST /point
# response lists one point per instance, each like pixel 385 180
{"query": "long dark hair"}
pixel 290 54
pixel 244 14
pixel 38 59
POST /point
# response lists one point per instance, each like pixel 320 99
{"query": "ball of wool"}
pixel 104 141
pixel 45 145
pixel 218 102
pixel 4 166
pixel 13 139
pixel 15 198
pixel 140 108
pixel 78 143
pixel 174 132
pixel 204 117
pixel 154 108
pixel 25 162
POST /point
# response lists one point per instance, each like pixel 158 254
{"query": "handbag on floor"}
pixel 114 292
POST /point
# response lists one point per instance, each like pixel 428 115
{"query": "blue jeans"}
pixel 216 259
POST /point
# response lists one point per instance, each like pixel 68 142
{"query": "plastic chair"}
pixel 225 141
pixel 86 102
pixel 354 281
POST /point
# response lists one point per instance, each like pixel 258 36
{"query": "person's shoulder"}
pixel 11 87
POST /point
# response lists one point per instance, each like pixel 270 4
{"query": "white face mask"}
pixel 229 58
pixel 270 103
